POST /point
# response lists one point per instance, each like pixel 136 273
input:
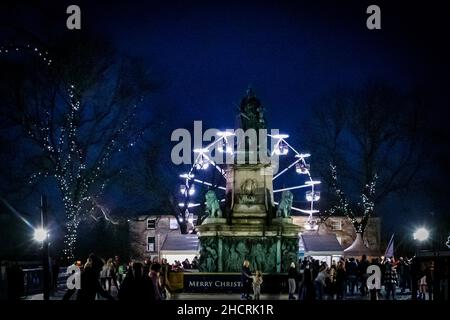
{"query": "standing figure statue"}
pixel 251 112
pixel 284 208
pixel 212 205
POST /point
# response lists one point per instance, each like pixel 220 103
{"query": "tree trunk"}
pixel 70 239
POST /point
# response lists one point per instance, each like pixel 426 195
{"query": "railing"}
pixel 32 281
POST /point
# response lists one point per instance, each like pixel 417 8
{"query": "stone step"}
pixel 249 214
pixel 245 220
pixel 249 208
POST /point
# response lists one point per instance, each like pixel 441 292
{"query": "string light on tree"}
pixel 79 181
pixel 362 210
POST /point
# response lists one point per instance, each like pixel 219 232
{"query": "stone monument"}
pixel 249 226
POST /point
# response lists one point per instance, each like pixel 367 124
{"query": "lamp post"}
pixel 41 235
pixel 420 235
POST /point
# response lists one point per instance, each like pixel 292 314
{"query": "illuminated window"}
pixel 151 244
pixel 151 223
pixel 173 224
pixel 336 225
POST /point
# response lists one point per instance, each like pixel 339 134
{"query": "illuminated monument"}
pixel 250 226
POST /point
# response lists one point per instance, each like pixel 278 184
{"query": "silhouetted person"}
pixel 352 272
pixel 90 280
pixel 390 280
pixel 136 285
pixel 15 278
pixel 306 288
pixel 155 270
pixel 362 269
pixel 340 280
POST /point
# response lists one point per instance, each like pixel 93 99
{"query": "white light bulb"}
pixel 40 234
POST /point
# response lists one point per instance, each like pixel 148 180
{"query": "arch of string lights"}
pixel 281 147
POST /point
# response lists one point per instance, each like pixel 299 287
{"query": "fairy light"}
pixel 75 178
pixel 364 209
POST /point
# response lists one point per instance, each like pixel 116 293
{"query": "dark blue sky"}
pixel 206 53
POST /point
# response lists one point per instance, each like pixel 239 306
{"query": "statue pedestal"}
pixel 282 220
pixel 210 220
pixel 250 233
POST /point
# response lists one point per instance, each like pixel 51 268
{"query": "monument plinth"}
pixel 249 228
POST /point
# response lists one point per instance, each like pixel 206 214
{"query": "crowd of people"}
pixel 307 279
pixel 134 280
pixel 185 265
pixel 311 279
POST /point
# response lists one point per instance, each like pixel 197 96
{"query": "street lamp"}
pixel 421 234
pixel 40 234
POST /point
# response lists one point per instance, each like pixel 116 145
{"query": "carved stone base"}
pixel 210 220
pixel 269 254
pixel 282 220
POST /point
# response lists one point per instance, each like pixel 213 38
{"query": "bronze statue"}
pixel 212 205
pixel 284 208
pixel 251 112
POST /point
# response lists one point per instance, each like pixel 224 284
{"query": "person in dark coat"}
pixel 90 280
pixel 246 278
pixel 390 280
pixel 155 270
pixel 351 274
pixel 362 270
pixel 306 288
pixel 15 281
pixel 340 280
pixel 136 286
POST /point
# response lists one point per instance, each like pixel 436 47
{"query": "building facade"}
pixel 148 233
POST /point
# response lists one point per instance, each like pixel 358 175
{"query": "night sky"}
pixel 206 53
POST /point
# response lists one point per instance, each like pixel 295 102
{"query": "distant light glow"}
pixel 303 155
pixel 302 168
pixel 40 234
pixel 421 234
pixel 200 150
pixel 311 226
pixel 280 136
pixel 312 182
pixel 203 165
pixel 225 134
pixel 310 196
pixel 281 149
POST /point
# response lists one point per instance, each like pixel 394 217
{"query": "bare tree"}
pixel 363 133
pixel 79 107
pixel 358 213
